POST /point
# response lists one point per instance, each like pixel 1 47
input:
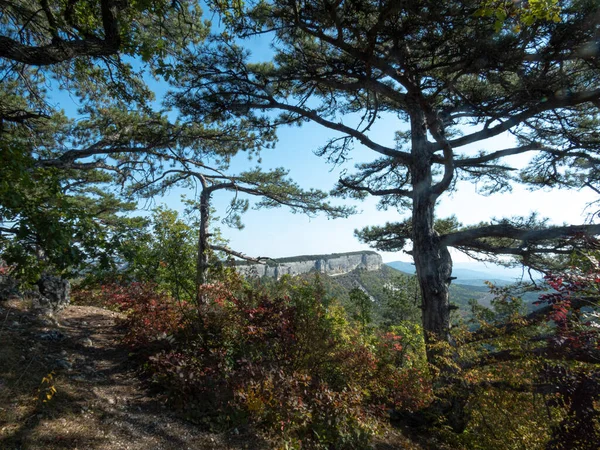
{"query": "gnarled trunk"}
pixel 434 270
pixel 432 259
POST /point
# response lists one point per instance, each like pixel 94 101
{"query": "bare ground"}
pixel 100 402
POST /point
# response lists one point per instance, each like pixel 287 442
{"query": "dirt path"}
pixel 100 403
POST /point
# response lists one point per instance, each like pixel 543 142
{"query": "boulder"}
pixel 9 287
pixel 54 293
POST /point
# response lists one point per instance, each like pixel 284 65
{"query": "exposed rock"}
pixel 335 264
pixel 54 293
pixel 52 335
pixel 63 364
pixel 9 287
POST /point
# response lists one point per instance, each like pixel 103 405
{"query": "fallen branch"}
pixel 258 260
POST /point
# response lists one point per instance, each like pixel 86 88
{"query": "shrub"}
pixel 532 381
pixel 152 316
pixel 286 363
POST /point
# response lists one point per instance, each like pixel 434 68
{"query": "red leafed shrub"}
pixel 574 311
pixel 195 381
pixel 287 364
pixel 410 389
pixel 152 316
pixel 574 387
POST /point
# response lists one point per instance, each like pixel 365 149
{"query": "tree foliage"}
pixel 100 53
pixel 53 219
pixel 164 253
pixel 452 78
pixel 58 211
pixel 88 46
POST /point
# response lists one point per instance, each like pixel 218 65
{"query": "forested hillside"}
pixel 394 293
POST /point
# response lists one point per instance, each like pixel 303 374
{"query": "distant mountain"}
pixel 472 273
pixel 402 266
pixel 375 283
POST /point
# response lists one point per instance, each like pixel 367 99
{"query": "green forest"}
pixel 367 359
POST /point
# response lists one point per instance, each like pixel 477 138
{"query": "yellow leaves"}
pixel 47 389
pixel 258 396
pixel 254 403
pixel 544 10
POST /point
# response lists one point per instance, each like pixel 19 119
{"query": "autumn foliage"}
pixel 284 363
pixel 151 315
pixel 288 361
pixel 532 380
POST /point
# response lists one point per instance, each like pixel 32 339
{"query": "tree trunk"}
pixel 203 245
pixel 432 259
pixel 434 269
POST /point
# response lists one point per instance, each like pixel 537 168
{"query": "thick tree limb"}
pixel 479 160
pixel 67 159
pixel 517 119
pixel 377 192
pixel 60 50
pixel 467 237
pixel 20 116
pixel 403 157
pixel 55 53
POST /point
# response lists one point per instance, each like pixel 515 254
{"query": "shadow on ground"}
pixel 100 402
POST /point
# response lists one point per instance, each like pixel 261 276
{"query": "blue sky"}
pixel 278 233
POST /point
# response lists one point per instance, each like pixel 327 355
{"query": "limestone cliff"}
pixel 334 264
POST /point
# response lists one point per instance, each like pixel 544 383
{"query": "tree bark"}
pixel 434 269
pixel 432 258
pixel 60 50
pixel 202 264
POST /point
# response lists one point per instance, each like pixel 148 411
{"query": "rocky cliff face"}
pixel 335 264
